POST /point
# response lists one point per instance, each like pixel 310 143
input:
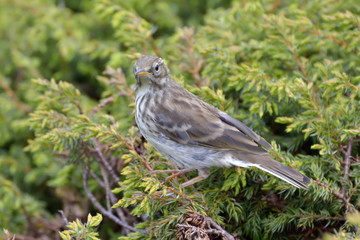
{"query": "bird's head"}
pixel 150 71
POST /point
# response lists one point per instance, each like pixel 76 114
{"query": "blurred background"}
pixel 215 48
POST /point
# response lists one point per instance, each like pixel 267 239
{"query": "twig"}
pixel 347 162
pixel 104 162
pixel 20 105
pixel 117 77
pixel 77 105
pixel 66 221
pixel 317 32
pixel 353 190
pixel 347 157
pixel 98 180
pixel 105 183
pixel 118 210
pixel 8 234
pixel 22 206
pixel 132 147
pixel 355 159
pixel 223 232
pixel 319 217
pixel 171 189
pixel 337 194
pixel 110 197
pixel 85 173
pixel 195 64
pixel 312 96
pixel 104 175
pixel 107 187
pixel 356 88
pixel 103 103
pixel 226 235
pixel 275 5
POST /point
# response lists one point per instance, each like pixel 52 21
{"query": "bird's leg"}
pixel 176 173
pixel 203 174
pixel 179 172
pixel 163 171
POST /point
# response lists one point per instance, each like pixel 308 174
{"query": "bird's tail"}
pixel 267 164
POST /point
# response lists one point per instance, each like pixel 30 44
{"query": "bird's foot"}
pixel 163 171
pixel 203 174
pixel 192 181
pixel 175 173
pixel 179 172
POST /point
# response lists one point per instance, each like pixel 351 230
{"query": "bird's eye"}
pixel 157 67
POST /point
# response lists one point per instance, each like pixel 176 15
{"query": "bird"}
pixel 194 134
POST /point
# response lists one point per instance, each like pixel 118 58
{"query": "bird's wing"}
pixel 194 122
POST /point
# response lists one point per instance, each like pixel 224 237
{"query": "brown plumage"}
pixel 193 133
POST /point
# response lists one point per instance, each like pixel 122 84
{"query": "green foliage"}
pixel 288 69
pixel 354 222
pixel 80 231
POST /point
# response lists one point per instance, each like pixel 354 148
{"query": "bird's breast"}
pixel 145 116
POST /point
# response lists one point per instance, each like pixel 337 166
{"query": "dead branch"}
pixel 95 202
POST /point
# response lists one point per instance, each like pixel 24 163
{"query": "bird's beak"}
pixel 141 72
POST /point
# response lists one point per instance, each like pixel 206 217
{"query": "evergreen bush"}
pixel 287 69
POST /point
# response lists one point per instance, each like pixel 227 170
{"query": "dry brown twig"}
pixel 96 203
pixel 18 103
pixel 198 224
pixel 337 194
pixel 8 234
pixel 195 63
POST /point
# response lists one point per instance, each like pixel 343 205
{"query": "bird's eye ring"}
pixel 157 67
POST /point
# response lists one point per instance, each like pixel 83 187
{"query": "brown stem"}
pixel 353 190
pixel 319 217
pixel 17 193
pixel 171 189
pixel 132 148
pixel 347 157
pixel 356 88
pixel 223 232
pixel 77 104
pixel 98 180
pixel 110 197
pixel 275 5
pixel 103 103
pixel 104 162
pixel 8 235
pixel 94 201
pixel 107 187
pixel 195 64
pixel 20 105
pixel 218 231
pixel 336 194
pixel 66 221
pixel 117 77
pixel 312 96
pixel 335 40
